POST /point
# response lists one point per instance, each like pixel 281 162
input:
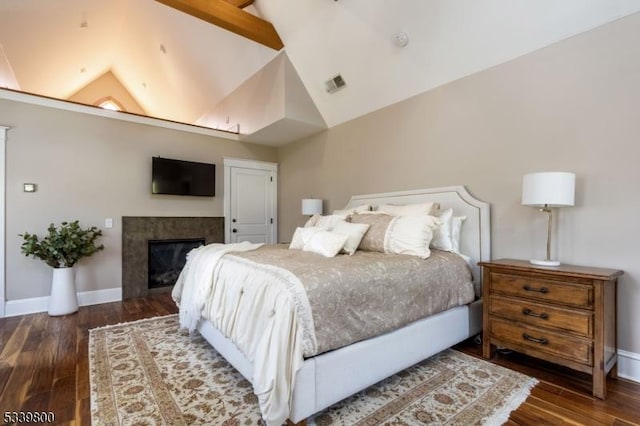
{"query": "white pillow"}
pixel 312 221
pixel 456 226
pixel 354 232
pixel 410 235
pixel 326 243
pixel 324 222
pixel 409 209
pixel 362 208
pixel 301 236
pixel 442 235
pixel 359 209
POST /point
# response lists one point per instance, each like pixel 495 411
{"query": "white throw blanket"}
pixel 262 309
pixel 195 283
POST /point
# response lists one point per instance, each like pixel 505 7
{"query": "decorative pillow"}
pixel 442 235
pixel 359 209
pixel 326 243
pixel 324 222
pixel 301 236
pixel 456 226
pixel 397 234
pixel 410 235
pixel 373 240
pixel 409 209
pixel 354 231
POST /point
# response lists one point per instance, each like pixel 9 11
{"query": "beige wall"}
pixel 570 107
pixel 91 168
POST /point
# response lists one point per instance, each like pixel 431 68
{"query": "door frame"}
pixel 248 164
pixel 3 164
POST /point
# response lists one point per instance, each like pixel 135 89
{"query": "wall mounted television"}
pixel 178 177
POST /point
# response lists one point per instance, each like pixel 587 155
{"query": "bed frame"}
pixel 330 377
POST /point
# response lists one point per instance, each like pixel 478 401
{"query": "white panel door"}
pixel 252 210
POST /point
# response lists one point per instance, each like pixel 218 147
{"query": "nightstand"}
pixel 564 314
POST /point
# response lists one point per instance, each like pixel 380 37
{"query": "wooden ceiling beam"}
pixel 240 3
pixel 226 15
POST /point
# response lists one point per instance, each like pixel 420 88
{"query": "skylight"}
pixel 110 104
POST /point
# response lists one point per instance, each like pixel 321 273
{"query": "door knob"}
pixel 233 220
pixel 234 230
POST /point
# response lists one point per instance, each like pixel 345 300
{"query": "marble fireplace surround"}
pixel 137 230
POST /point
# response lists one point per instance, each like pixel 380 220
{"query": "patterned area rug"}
pixel 151 373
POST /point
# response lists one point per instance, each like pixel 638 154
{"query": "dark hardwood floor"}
pixel 44 367
pixel 563 396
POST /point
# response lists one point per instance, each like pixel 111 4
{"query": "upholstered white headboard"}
pixel 475 238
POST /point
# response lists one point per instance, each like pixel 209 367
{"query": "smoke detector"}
pixel 334 84
pixel 400 39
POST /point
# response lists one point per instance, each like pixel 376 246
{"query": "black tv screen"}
pixel 177 177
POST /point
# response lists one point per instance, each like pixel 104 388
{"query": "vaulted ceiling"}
pixel 180 67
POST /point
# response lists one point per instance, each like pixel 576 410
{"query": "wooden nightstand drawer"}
pixel 564 314
pixel 532 340
pixel 542 315
pixel 546 290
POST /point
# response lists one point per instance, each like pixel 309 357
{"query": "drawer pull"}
pixel 543 290
pixel 534 339
pixel 529 312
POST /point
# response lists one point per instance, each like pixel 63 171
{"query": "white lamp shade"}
pixel 311 206
pixel 554 189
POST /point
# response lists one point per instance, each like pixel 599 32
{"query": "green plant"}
pixel 64 246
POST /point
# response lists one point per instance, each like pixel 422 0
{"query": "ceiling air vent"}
pixel 334 84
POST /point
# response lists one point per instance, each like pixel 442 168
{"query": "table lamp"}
pixel 311 206
pixel 547 190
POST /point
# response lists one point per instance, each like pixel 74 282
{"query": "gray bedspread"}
pixel 353 298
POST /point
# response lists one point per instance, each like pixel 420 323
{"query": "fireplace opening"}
pixel 167 258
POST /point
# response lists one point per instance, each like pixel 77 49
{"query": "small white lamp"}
pixel 311 206
pixel 546 190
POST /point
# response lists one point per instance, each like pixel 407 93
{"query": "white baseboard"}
pixel 97 297
pixel 40 304
pixel 629 365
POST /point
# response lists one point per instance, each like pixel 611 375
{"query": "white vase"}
pixel 63 299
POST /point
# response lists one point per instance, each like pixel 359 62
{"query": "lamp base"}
pixel 545 262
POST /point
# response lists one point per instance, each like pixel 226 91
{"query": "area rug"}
pixel 149 372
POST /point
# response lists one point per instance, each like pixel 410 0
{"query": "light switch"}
pixel 29 187
pixel 108 223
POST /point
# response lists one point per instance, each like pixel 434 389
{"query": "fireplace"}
pixel 138 231
pixel 167 258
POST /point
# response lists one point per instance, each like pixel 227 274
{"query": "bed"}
pixel 322 380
